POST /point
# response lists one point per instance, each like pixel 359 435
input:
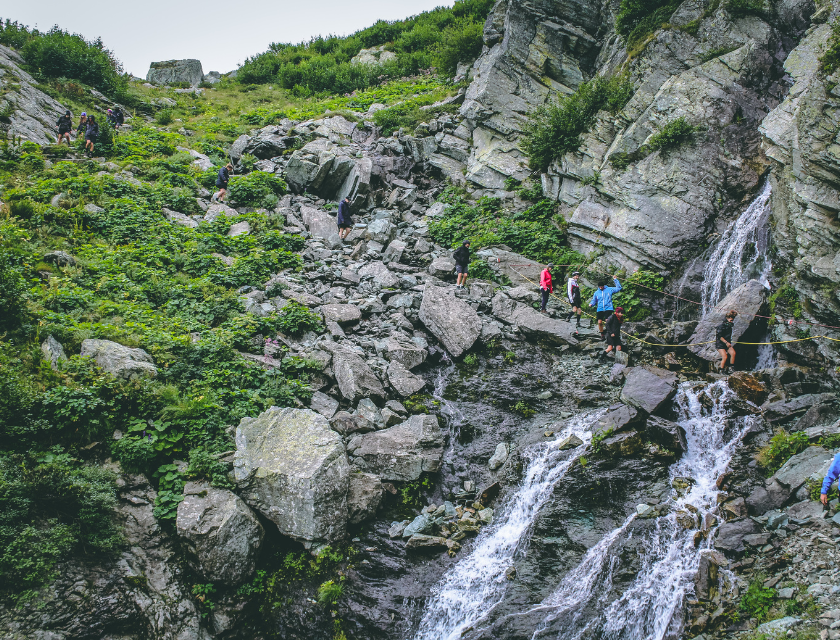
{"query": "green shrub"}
pixel 637 19
pixel 295 319
pixel 257 189
pixel 460 42
pixel 781 448
pixel 13 291
pixel 741 8
pixel 673 134
pixel 330 591
pixel 636 295
pixel 757 600
pixel 830 59
pixel 555 129
pixel 164 117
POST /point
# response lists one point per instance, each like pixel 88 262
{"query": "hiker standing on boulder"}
pixel 723 341
pixel 462 263
pixel 91 133
pixel 602 301
pixel 546 286
pixel 613 330
pixel 345 222
pixel 573 294
pixel 222 182
pixel 64 124
pixel 830 477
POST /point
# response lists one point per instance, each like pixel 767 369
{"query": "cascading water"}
pixel 651 609
pixel 741 254
pixel 471 588
pixel 452 414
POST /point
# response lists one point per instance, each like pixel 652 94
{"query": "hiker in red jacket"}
pixel 546 285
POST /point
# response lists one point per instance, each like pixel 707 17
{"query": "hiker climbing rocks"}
pixel 723 342
pixel 546 286
pixel 345 222
pixel 222 182
pixel 573 294
pixel 119 118
pixel 602 301
pixel 830 477
pixel 64 124
pixel 613 331
pixel 462 262
pixel 91 133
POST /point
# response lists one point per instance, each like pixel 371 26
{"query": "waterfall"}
pixel 470 590
pixel 453 415
pixel 741 253
pixel 651 609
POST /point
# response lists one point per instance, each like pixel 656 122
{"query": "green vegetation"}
pixel 411 494
pixel 830 59
pixel 673 134
pixel 408 114
pixel 741 8
pixel 439 38
pixel 782 447
pixel 757 600
pixel 638 19
pixel 330 591
pixel 598 438
pixel 555 129
pixel 636 297
pixel 522 408
pixel 538 232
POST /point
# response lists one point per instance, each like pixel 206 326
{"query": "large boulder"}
pixel 343 314
pixel 292 468
pixel 531 322
pixel 730 535
pixel 222 534
pixel 354 377
pixel 380 274
pixel 811 464
pixel 118 360
pixel 374 55
pixel 53 352
pixel 618 418
pixel 519 269
pixel 401 452
pixel 648 388
pixel 666 433
pixel 747 300
pixel 176 71
pixel 454 322
pixel 321 225
pixel 405 352
pixel 403 381
pixel 363 497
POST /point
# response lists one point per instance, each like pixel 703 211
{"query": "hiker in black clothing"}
pixel 119 118
pixel 462 262
pixel 80 130
pixel 723 342
pixel 109 116
pixel 91 133
pixel 64 124
pixel 345 222
pixel 222 182
pixel 613 331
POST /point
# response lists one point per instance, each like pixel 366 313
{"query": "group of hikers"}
pixel 88 126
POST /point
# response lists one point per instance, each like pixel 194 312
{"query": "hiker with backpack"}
pixel 222 182
pixel 462 263
pixel 91 133
pixel 64 124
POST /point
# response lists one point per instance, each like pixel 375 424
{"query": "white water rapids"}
pixel 471 589
pixel 583 604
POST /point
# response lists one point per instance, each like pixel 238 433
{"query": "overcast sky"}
pixel 220 34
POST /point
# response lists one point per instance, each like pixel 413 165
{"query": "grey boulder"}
pixel 354 377
pixel 221 533
pixel 53 352
pixel 176 217
pixel 363 497
pixel 531 322
pixel 454 322
pixel 401 452
pixel 324 404
pixel 381 275
pixel 405 382
pixel 321 225
pixel 730 535
pixel 648 388
pixel 405 352
pixel 747 300
pixel 118 360
pixel 174 71
pixel 291 466
pixel 666 433
pixel 218 209
pixel 343 314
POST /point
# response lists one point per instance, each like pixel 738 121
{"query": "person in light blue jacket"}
pixel 602 300
pixel 830 477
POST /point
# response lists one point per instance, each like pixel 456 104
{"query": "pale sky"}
pixel 220 34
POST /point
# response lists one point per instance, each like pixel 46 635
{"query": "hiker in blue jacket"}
pixel 830 477
pixel 602 300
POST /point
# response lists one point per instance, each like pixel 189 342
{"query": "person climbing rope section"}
pixel 603 303
pixel 345 222
pixel 462 263
pixel 546 286
pixel 723 341
pixel 64 124
pixel 613 331
pixel 830 477
pixel 573 294
pixel 222 182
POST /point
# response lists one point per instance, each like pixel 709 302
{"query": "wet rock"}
pixel 706 580
pixel 364 494
pixel 118 360
pixel 220 531
pixel 570 442
pixel 666 433
pixel 730 535
pixel 770 496
pixel 645 511
pixel 420 541
pixel 454 322
pixel 648 388
pixel 324 404
pixel 397 528
pixel 354 377
pixel 401 452
pixel 748 387
pixel 291 466
pixel 622 445
pixel 53 352
pixel 499 457
pixel 617 418
pixel 404 382
pixel 421 524
pixel 747 300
